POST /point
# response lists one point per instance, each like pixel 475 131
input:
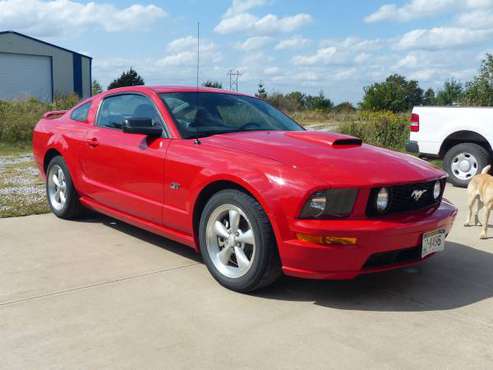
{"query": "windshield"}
pixel 204 114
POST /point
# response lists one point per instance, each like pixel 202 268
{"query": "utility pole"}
pixel 233 79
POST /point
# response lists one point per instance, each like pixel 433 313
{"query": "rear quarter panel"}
pixel 63 135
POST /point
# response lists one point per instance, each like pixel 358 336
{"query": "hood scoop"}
pixel 328 138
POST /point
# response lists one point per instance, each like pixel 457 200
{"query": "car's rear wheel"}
pixel 62 196
pixel 237 242
pixel 463 161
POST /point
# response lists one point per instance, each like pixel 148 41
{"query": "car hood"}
pixel 330 157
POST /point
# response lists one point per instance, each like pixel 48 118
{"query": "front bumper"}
pixel 383 244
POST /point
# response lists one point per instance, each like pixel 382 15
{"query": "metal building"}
pixel 34 68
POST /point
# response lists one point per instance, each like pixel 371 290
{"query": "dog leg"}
pixel 484 233
pixel 476 217
pixel 472 200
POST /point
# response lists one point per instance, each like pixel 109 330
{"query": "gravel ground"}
pixel 22 190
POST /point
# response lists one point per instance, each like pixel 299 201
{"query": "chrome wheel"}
pixel 464 166
pixel 57 187
pixel 230 241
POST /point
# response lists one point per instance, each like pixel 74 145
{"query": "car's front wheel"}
pixel 62 196
pixel 237 242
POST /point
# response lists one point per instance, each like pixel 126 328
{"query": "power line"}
pixel 233 79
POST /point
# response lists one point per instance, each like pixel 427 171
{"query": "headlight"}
pixel 382 201
pixel 330 203
pixel 437 189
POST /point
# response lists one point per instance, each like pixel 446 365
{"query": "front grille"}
pixel 385 259
pixel 401 199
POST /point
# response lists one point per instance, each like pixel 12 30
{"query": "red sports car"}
pixel 242 184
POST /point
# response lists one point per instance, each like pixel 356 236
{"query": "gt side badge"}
pixel 174 186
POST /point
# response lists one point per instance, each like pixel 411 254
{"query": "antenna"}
pixel 197 140
pixel 198 53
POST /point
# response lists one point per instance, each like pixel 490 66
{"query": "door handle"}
pixel 93 141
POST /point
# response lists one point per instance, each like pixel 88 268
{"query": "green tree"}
pixel 451 93
pixel 320 102
pixel 128 78
pixel 479 92
pixel 261 92
pixel 213 84
pixel 294 101
pixel 96 87
pixel 429 97
pixel 344 107
pixel 395 94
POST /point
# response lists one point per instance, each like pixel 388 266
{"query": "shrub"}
pixel 18 117
pixel 395 94
pixel 385 129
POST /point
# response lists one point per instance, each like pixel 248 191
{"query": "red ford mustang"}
pixel 243 184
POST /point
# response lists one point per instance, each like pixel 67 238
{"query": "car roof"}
pixel 174 89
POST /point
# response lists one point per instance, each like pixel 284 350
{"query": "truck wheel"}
pixel 463 161
pixel 62 196
pixel 237 242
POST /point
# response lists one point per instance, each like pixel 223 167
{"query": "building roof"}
pixel 43 42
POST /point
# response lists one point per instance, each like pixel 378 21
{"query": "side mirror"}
pixel 143 126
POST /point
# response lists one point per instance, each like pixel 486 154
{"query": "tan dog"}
pixel 481 189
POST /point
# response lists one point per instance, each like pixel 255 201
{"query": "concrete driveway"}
pixel 101 294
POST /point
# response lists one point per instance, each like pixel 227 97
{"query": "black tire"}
pixel 480 154
pixel 266 266
pixel 71 208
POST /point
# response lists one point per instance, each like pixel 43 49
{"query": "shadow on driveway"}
pixel 457 277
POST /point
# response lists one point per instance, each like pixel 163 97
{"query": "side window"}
pixel 115 109
pixel 80 114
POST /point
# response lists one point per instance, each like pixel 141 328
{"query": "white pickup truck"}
pixel 462 137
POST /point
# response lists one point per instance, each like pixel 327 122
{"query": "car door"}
pixel 125 171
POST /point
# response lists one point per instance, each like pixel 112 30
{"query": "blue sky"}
pixel 335 46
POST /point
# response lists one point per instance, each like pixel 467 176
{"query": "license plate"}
pixel 433 242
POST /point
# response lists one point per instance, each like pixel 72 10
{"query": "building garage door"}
pixel 23 76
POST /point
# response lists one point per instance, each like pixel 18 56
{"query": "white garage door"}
pixel 23 76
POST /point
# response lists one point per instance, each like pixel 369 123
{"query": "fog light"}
pixel 382 200
pixel 328 240
pixel 437 189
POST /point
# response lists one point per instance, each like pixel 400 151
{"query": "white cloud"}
pixel 362 58
pixel 476 19
pixel 272 71
pixel 183 51
pixel 348 50
pixel 416 9
pixel 242 6
pixel 294 42
pixel 267 24
pixel 254 43
pixel 442 38
pixel 61 17
pixel 409 61
pixel 322 56
pixel 189 43
pixel 355 44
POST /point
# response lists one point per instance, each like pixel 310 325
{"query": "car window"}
pixel 203 114
pixel 115 109
pixel 80 114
